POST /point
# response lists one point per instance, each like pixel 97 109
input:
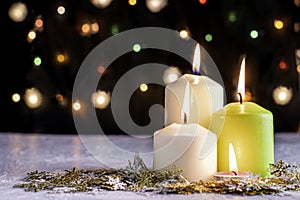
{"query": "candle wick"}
pixel 234 172
pixel 241 98
pixel 184 118
pixel 195 71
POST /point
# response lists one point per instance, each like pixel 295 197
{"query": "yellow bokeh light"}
pixel 94 27
pixel 278 24
pixel 33 98
pixel 282 95
pixel 85 28
pixel 18 11
pixel 171 74
pixel 31 35
pixel 248 96
pixel 143 87
pixel 100 99
pixel 296 26
pixel 156 5
pixel 101 3
pixel 298 53
pixel 76 106
pixel 16 97
pixel 184 34
pixel 132 2
pixel 59 97
pixel 60 58
pixel 298 69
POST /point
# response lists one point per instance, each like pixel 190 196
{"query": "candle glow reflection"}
pixel 232 159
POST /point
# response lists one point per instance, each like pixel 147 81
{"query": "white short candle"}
pixel 190 147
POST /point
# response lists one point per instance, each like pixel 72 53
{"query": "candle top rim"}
pixel 196 128
pixel 195 80
pixel 246 108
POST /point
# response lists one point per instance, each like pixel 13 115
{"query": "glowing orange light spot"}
pixel 60 58
pixel 85 28
pixel 95 27
pixel 278 24
pixel 59 97
pixel 202 1
pixel 298 69
pixel 39 23
pixel 282 65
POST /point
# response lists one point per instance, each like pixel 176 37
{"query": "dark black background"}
pixel 230 41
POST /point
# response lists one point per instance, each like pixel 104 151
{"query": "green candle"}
pixel 248 128
pixel 245 134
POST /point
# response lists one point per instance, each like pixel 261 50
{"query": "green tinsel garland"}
pixel 138 178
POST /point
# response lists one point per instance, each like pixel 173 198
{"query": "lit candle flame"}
pixel 186 104
pixel 232 159
pixel 197 60
pixel 241 84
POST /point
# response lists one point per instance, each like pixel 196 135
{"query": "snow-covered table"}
pixel 22 153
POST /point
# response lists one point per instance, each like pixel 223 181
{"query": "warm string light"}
pixel 88 29
pixel 298 68
pixel 132 2
pixel 184 34
pixel 31 36
pixel 61 58
pixel 144 87
pixel 101 3
pixel 156 5
pixel 33 98
pixel 18 12
pixel 297 27
pixel 171 74
pixel 283 65
pixel 282 95
pixel 100 99
pixel 76 105
pixel 202 2
pixel 39 23
pixel 16 97
pixel 61 10
pixel 278 24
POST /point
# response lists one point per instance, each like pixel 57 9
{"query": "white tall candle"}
pixel 206 96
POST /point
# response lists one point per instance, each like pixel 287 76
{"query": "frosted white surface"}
pixel 22 153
